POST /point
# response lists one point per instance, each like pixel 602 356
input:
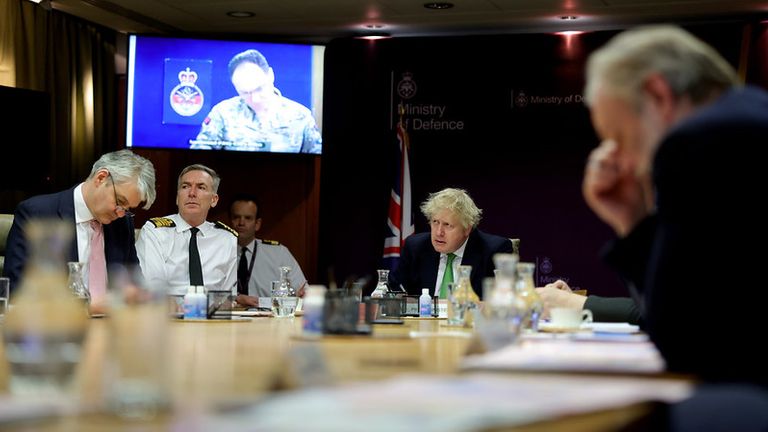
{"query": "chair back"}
pixel 515 245
pixel 6 220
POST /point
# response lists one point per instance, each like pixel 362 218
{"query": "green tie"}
pixel 447 276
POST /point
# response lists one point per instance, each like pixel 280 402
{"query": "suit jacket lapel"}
pixel 67 212
pixel 472 253
pixel 433 264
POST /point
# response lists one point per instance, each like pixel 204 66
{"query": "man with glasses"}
pixel 99 211
pixel 259 118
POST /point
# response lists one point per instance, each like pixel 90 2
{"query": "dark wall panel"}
pixel 506 122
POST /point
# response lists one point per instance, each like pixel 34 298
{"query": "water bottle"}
pixel 195 303
pixel 425 304
pixel 313 310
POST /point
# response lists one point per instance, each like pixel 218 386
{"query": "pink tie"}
pixel 97 272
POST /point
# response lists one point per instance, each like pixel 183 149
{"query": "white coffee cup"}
pixel 569 318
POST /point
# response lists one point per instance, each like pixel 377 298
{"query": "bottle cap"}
pixel 425 291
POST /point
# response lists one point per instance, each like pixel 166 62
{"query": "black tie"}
pixel 242 273
pixel 195 269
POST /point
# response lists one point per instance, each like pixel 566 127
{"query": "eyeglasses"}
pixel 119 208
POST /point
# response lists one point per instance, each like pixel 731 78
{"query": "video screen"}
pixel 204 94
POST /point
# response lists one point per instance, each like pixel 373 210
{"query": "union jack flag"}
pixel 400 216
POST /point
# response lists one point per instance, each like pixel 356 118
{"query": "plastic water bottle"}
pixel 425 304
pixel 195 303
pixel 313 310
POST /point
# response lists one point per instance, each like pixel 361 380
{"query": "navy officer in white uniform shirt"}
pixel 165 244
pixel 263 258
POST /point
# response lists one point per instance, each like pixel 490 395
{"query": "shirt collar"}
pixel 82 213
pixel 458 252
pixel 182 225
pixel 249 246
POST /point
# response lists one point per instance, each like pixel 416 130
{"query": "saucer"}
pixel 551 328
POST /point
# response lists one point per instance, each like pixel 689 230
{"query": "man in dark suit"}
pixel 677 176
pixel 453 219
pixel 118 181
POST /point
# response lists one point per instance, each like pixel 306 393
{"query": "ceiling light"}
pixel 240 14
pixel 569 33
pixel 438 5
pixel 374 26
pixel 45 4
pixel 374 36
pixel 568 17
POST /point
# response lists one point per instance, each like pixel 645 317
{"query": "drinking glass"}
pixel 457 305
pixel 136 367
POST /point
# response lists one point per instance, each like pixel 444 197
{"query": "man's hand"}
pixel 613 190
pixel 247 300
pixel 558 294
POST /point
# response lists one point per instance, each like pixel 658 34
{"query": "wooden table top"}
pixel 219 362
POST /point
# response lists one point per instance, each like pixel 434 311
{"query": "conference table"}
pixel 228 364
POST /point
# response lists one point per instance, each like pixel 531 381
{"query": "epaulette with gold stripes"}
pixel 271 242
pixel 222 225
pixel 162 222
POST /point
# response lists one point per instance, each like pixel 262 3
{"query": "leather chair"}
pixel 515 245
pixel 6 220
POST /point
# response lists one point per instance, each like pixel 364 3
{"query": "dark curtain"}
pixel 74 62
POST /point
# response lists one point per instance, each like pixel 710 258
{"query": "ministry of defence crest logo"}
pixel 187 98
pixel 545 266
pixel 521 100
pixel 406 88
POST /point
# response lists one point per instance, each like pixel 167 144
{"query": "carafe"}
pixel 284 298
pixel 45 329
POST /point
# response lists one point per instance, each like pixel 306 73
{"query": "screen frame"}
pixel 312 70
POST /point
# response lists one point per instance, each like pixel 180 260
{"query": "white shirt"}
pixel 456 263
pixel 84 232
pixel 266 268
pixel 164 255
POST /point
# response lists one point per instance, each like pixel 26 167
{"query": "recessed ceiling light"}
pixel 375 36
pixel 568 17
pixel 374 26
pixel 438 5
pixel 240 14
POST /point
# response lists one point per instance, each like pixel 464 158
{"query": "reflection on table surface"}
pixel 220 364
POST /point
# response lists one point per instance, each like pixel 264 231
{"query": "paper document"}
pixel 430 403
pixel 569 354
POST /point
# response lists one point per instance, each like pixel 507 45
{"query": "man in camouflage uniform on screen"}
pixel 259 118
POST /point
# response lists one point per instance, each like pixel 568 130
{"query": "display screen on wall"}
pixel 203 94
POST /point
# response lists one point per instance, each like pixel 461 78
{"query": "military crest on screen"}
pixel 187 98
pixel 187 91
